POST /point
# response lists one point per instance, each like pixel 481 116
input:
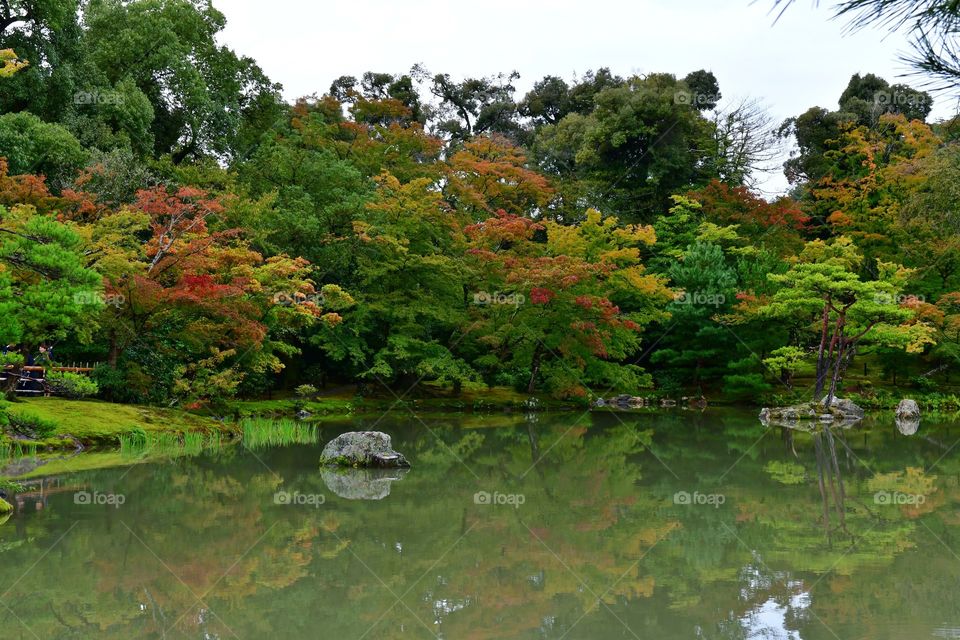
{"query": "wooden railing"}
pixel 24 385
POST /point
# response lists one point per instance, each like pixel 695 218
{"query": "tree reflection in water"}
pixel 599 547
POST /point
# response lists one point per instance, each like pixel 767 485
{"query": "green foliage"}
pixel 71 385
pixel 842 310
pixel 621 148
pixel 47 291
pixel 696 345
pixel 745 387
pixel 26 423
pixel 786 362
pixel 305 390
pixel 31 145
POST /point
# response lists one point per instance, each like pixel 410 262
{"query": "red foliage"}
pixel 739 205
pixel 179 223
pixel 541 295
pixel 25 189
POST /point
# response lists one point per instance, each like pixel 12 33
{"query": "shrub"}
pixel 72 385
pixel 129 383
pixel 745 386
pixel 306 391
pixel 924 384
pixel 30 425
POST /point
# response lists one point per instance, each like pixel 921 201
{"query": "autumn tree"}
pixel 10 63
pixel 489 173
pixel 867 102
pixel 873 172
pixel 927 222
pixel 557 325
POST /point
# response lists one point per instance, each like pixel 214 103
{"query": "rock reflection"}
pixel 361 484
pixel 907 425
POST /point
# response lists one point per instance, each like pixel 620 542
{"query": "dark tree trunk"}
pixel 821 352
pixel 114 354
pixel 535 368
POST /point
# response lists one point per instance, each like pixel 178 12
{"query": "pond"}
pixel 671 525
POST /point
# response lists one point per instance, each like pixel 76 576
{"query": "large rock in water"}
pixel 908 417
pixel 362 449
pixel 908 409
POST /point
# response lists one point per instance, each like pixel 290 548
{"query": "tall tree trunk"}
pixel 841 351
pixel 114 354
pixel 821 355
pixel 535 367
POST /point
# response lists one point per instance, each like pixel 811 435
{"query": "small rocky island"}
pixel 840 411
pixel 365 449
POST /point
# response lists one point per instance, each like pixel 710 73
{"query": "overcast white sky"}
pixel 803 60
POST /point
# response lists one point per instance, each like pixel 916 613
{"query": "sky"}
pixel 805 59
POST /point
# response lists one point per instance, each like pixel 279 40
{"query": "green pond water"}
pixel 675 525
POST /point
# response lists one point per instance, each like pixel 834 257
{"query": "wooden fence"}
pixel 33 378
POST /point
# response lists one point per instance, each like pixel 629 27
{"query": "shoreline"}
pixel 95 434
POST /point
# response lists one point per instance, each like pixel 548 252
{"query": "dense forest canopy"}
pixel 165 213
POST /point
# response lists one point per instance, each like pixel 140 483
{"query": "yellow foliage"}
pixel 10 63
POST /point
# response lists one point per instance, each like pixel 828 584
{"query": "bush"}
pixel 924 384
pixel 71 385
pixel 112 383
pixel 32 426
pixel 745 386
pixel 306 391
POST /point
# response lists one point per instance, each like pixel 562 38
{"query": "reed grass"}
pixel 260 433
